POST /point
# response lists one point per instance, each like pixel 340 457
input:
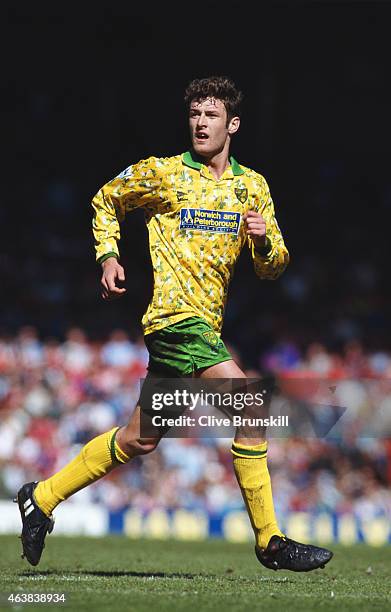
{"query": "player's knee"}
pixel 139 446
pixel 145 445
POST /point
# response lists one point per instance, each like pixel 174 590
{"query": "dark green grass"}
pixel 116 573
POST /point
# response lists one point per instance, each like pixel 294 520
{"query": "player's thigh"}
pixel 224 369
pixel 224 377
pixel 247 434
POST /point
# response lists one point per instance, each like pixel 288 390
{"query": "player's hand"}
pixel 112 275
pixel 255 227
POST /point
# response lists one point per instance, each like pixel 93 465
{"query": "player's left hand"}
pixel 255 227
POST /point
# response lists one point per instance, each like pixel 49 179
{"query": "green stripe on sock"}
pixel 112 447
pixel 248 452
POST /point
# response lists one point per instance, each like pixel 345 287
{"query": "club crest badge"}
pixel 242 194
pixel 211 338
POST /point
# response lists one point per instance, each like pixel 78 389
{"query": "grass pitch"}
pixel 116 573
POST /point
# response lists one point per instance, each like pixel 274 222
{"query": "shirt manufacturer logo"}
pixel 182 196
pixel 220 221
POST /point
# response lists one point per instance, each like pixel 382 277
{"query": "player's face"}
pixel 208 126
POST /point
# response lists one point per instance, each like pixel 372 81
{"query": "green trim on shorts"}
pixel 184 347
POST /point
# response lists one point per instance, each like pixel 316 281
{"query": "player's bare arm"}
pixel 112 275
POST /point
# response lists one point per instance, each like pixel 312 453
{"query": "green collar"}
pixel 189 160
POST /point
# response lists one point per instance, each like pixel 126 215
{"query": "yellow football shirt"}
pixel 196 232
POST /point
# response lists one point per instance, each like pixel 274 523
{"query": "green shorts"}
pixel 182 348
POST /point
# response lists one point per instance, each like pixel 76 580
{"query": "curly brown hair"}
pixel 219 87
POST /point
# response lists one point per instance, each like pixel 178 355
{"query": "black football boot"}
pixel 35 524
pixel 283 553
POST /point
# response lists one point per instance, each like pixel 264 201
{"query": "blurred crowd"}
pixel 55 396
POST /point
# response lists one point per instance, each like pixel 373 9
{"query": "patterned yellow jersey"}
pixel 196 232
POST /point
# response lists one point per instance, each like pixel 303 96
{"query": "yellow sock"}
pixel 250 465
pixel 95 459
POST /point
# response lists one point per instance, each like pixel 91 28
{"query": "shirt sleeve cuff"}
pixel 106 256
pixel 265 250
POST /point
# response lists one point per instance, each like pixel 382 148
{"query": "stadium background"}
pixel 88 94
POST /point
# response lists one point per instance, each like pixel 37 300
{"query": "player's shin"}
pixel 250 465
pixel 96 459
